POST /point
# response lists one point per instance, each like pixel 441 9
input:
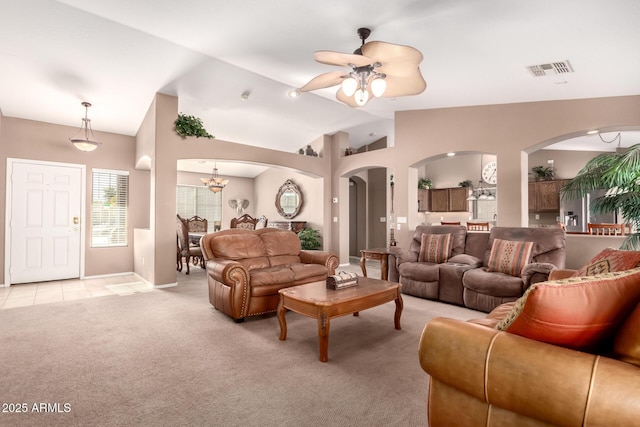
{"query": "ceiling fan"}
pixel 377 69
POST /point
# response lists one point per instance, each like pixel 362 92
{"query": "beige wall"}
pixel 32 140
pixel 269 182
pixel 510 131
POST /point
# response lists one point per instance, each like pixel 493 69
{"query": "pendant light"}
pixel 85 140
pixel 215 183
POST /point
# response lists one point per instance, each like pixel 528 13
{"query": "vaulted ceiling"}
pixel 117 54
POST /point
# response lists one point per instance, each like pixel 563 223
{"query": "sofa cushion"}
pixel 493 283
pixel 435 248
pixel 458 234
pixel 238 246
pixel 280 242
pixel 306 272
pixel 420 271
pixel 609 260
pixel 581 313
pixel 626 346
pixel 246 248
pixel 509 257
pixel 271 275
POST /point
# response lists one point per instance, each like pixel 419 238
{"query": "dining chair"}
pixel 478 226
pixel 191 253
pixel 603 229
pixel 197 224
pixel 246 221
pixel 449 222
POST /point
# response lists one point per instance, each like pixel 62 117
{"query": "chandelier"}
pixel 483 193
pixel 215 183
pixel 85 140
pixel 364 80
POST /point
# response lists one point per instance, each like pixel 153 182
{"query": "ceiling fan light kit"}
pixel 377 69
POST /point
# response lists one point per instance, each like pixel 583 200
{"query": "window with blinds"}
pixel 191 201
pixel 109 205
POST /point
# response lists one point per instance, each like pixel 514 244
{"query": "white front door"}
pixel 45 221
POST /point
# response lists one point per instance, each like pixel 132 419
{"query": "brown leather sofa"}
pixel 483 377
pixel 463 279
pixel 247 268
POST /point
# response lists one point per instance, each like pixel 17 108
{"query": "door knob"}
pixel 76 220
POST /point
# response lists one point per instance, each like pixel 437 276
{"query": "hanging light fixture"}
pixel 85 140
pixel 363 81
pixel 215 183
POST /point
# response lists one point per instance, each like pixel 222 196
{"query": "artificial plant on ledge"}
pixel 187 125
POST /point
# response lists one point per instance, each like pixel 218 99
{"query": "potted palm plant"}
pixel 619 174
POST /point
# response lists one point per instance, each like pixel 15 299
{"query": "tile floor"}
pixel 25 294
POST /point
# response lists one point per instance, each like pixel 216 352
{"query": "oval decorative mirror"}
pixel 289 199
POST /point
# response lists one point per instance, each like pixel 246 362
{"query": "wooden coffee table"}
pixel 316 301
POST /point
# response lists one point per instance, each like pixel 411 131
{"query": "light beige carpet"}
pixel 168 358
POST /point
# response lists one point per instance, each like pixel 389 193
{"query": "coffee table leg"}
pixel 323 336
pixel 399 306
pixel 281 319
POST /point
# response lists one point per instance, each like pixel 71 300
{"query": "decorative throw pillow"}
pixel 435 248
pixel 509 257
pixel 578 312
pixel 627 343
pixel 610 260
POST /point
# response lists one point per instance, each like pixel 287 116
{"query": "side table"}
pixel 381 254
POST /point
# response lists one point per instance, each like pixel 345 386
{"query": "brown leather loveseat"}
pixel 246 268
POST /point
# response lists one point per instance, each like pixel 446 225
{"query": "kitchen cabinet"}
pixel 439 200
pixel 544 196
pixel 458 199
pixel 423 200
pixel 448 199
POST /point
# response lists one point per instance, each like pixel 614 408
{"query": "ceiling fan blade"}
pixel 411 84
pixel 344 59
pixel 332 78
pixel 350 100
pixel 387 53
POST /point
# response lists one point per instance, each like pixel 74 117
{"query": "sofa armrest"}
pixel 561 273
pixel 227 271
pixel 536 272
pixel 403 255
pixel 328 259
pixel 473 368
pixel 236 277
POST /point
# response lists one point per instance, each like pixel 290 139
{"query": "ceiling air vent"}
pixel 550 69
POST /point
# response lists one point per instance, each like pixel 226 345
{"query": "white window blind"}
pixel 191 201
pixel 109 205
